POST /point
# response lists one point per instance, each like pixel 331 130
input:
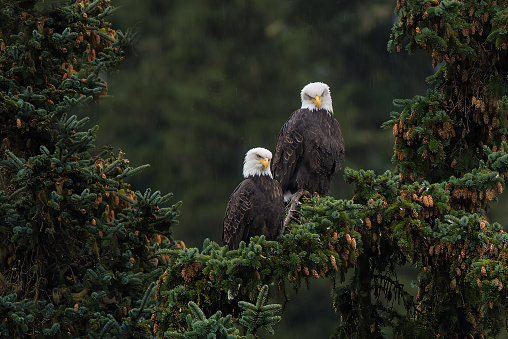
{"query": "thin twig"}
pixel 292 206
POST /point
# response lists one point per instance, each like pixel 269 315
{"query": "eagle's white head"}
pixel 257 162
pixel 316 95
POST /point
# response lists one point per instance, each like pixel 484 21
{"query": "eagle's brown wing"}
pixel 237 222
pixel 288 150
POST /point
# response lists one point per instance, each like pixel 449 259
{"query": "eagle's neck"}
pixel 254 172
pixel 261 177
pixel 324 107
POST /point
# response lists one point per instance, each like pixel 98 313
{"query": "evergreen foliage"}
pixel 259 315
pixel 253 317
pixel 77 246
pixel 466 109
pixel 211 328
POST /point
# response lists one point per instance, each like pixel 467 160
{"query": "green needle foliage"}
pixel 214 327
pixel 259 315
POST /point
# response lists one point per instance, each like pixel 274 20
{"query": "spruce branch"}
pixel 201 327
pixel 260 315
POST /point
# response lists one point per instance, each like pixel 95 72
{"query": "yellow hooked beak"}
pixel 264 162
pixel 317 101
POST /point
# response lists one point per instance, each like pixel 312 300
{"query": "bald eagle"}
pixel 310 147
pixel 256 206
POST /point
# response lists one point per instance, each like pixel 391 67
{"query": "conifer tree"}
pixel 431 212
pixel 77 245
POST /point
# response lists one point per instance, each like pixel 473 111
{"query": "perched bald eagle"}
pixel 256 206
pixel 310 147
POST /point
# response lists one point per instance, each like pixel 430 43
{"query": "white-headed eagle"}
pixel 310 147
pixel 256 207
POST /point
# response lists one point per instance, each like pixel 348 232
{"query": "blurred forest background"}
pixel 211 79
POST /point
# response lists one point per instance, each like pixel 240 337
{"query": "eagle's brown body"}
pixel 309 151
pixel 256 207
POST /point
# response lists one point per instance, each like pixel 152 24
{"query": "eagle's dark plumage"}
pixel 256 207
pixel 310 147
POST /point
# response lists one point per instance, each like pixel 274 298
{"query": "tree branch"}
pixel 292 206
